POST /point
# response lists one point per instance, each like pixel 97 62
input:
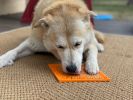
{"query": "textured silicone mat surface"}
pixel 83 77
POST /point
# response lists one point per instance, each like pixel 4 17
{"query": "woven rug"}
pixel 31 79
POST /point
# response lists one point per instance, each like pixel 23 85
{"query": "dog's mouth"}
pixel 76 73
pixel 71 73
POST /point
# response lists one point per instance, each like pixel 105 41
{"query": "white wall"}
pixel 12 6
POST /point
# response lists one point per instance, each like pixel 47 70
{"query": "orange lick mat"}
pixel 83 77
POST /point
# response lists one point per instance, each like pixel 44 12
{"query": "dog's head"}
pixel 67 35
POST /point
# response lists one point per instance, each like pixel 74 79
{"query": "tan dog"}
pixel 63 28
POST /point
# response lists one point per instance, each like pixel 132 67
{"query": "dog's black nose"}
pixel 71 69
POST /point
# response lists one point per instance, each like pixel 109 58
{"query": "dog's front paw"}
pixel 5 62
pixel 92 68
pixel 100 47
pixel 7 59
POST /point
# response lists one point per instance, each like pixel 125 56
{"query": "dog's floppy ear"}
pixel 44 22
pixel 84 11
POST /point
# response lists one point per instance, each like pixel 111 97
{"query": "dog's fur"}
pixel 63 28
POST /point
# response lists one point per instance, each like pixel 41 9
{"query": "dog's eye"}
pixel 45 25
pixel 77 44
pixel 60 47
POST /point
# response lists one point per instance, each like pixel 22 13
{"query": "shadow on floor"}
pixel 8 22
pixel 116 27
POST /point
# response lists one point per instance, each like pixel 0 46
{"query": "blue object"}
pixel 103 17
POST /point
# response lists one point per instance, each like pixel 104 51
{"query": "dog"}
pixel 63 28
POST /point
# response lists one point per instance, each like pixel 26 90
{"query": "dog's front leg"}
pixel 91 60
pixel 22 50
